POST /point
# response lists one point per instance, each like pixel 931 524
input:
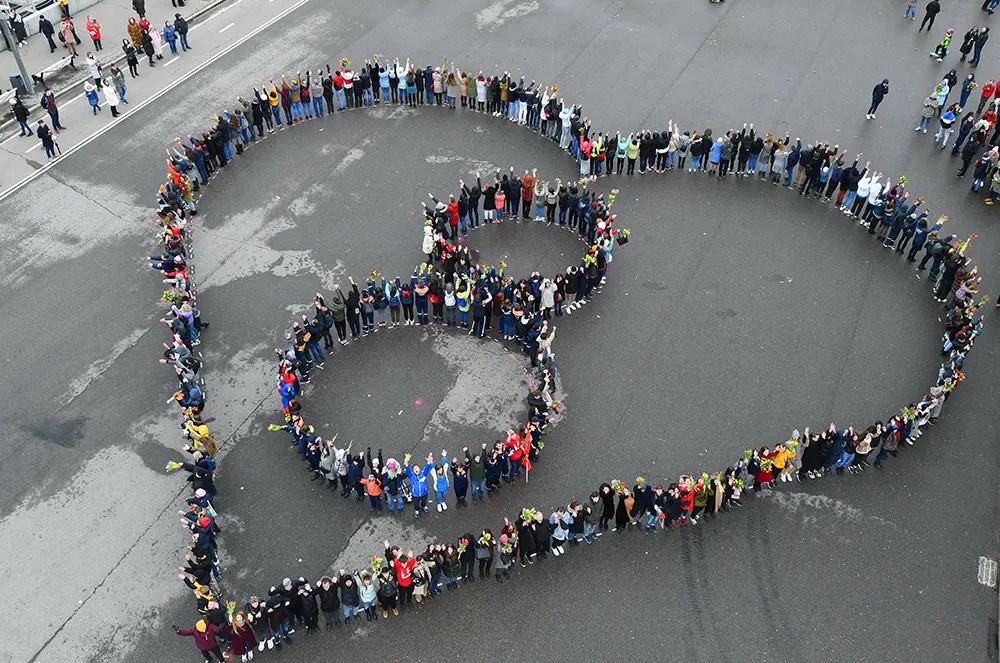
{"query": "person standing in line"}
pixel 170 36
pixel 46 28
pixel 94 30
pixel 911 10
pixel 878 94
pixel 204 638
pixel 930 11
pixel 181 26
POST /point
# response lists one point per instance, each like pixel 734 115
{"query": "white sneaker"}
pixel 260 647
pixel 555 551
pixel 444 507
pixel 439 508
pixel 250 655
pixel 270 643
pixel 562 551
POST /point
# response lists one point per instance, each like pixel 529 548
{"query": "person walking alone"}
pixel 878 94
pixel 930 11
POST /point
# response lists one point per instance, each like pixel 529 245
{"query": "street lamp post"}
pixel 15 48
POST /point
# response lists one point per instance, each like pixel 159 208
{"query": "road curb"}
pixel 72 86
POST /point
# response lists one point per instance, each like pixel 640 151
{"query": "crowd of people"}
pixel 451 289
pixel 106 85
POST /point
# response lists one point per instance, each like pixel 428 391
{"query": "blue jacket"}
pixel 418 482
pixel 441 481
pixel 168 33
pixel 715 154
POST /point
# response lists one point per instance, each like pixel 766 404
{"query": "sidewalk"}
pixel 113 16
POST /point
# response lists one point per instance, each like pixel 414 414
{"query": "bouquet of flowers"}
pixel 967 243
pixel 909 412
pixel 345 63
pixel 623 234
pixel 611 197
pixel 174 465
pixel 273 427
pixel 374 275
pixel 230 609
pixel 618 486
pixel 502 265
pixel 528 514
pixel 589 259
pixel 376 564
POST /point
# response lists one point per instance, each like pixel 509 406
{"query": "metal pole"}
pixel 15 48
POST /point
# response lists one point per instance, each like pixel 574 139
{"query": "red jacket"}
pixel 205 641
pixel 404 571
pixel 453 213
pixel 988 90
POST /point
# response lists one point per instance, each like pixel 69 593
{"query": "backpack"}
pixel 44 101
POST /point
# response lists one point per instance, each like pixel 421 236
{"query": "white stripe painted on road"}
pixel 223 10
pixel 146 102
pixel 33 147
pixel 226 28
pixel 171 61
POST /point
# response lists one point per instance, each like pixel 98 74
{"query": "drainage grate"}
pixel 987 572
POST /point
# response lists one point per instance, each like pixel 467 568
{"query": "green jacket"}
pixel 477 471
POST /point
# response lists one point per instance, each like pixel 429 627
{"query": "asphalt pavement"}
pixel 737 313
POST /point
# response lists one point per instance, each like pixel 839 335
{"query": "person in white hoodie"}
pixel 874 191
pixel 110 96
pixel 565 116
pixel 864 186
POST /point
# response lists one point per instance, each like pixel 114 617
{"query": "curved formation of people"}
pixel 448 288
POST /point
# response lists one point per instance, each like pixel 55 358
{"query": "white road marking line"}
pixel 171 61
pixel 226 28
pixel 146 102
pixel 33 147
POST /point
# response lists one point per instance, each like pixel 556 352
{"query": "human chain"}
pixel 396 578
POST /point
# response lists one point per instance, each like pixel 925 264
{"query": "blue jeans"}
pixel 562 215
pixel 307 109
pixel 296 109
pixel 515 468
pixel 925 123
pixel 695 162
pixel 478 489
pixel 752 164
pixel 227 149
pixel 25 129
pixel 50 149
pixel 385 95
pixel 440 496
pixel 349 611
pixel 318 106
pixel 184 41
pixel 845 459
pixel 276 111
pixel 282 630
pixel 394 501
pixel 315 351
pixel 650 520
pixel 173 46
pixel 588 530
pixel 849 200
pixel 366 97
pixel 340 98
pixel 462 223
pixel 911 11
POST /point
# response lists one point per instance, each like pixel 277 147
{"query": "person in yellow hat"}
pixel 204 638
